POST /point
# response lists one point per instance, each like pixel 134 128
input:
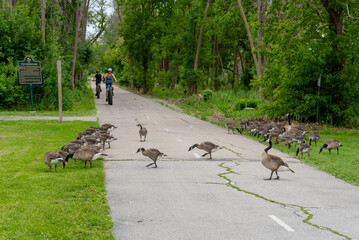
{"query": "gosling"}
pixel 153 154
pixel 142 132
pixel 232 126
pixel 206 146
pixel 272 162
pixel 314 137
pixel 55 157
pixel 331 144
pixel 304 148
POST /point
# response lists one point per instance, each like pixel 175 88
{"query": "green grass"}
pixel 223 103
pixel 344 166
pixel 83 108
pixel 38 204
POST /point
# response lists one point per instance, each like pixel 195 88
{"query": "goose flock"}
pixel 88 146
pixel 91 143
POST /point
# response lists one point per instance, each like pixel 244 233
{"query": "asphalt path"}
pixel 191 197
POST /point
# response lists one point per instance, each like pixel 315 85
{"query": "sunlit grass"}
pixel 38 204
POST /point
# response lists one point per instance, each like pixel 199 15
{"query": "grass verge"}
pixel 83 108
pixel 222 104
pixel 36 204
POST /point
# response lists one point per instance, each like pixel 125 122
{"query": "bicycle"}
pixel 98 90
pixel 110 94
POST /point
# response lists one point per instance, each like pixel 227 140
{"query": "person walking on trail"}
pixel 98 78
pixel 108 79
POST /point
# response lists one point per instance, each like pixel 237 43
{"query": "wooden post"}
pixel 60 89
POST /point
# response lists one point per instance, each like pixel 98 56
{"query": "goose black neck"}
pixel 289 120
pixel 270 146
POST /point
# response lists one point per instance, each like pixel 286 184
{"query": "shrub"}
pixel 240 105
pixel 207 94
pixel 252 103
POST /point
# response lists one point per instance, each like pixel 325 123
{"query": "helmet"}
pixel 109 70
pixel 97 71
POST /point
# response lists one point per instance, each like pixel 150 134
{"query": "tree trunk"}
pixel 200 36
pixel 43 21
pixel 174 77
pixel 215 62
pixel 78 25
pixel 193 88
pixel 130 71
pixel 258 69
pixel 144 88
pixel 84 20
pixel 235 65
pixel 259 37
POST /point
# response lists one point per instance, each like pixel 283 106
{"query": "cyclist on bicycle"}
pixel 98 79
pixel 108 78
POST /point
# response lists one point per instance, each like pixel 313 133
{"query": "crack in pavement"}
pixel 297 208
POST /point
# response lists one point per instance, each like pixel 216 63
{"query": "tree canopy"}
pixel 279 48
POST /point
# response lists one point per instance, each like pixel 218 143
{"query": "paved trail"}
pixel 188 197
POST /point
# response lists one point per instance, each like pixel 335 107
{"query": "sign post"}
pixel 29 75
pixel 60 89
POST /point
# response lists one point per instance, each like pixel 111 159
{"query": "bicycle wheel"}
pixel 110 96
pixel 98 91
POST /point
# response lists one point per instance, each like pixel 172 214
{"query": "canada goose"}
pixel 80 135
pixel 331 144
pixel 91 140
pixel 286 139
pixel 313 137
pixel 272 162
pixel 55 157
pixel 142 132
pixel 106 138
pixel 71 147
pixel 107 127
pixel 288 126
pixel 232 126
pixel 92 127
pixel 152 153
pixel 86 154
pixel 89 131
pixel 206 146
pixel 81 142
pixel 304 147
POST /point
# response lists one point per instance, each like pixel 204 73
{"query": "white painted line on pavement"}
pixel 280 222
pixel 196 155
pixel 166 129
pixel 180 140
pixel 155 122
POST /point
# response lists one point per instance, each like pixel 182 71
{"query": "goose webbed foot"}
pixel 270 178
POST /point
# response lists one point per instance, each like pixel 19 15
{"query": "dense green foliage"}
pixel 37 204
pixel 294 43
pixel 21 35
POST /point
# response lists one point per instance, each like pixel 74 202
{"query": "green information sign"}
pixel 29 75
pixel 29 72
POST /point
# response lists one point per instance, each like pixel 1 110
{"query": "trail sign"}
pixel 29 75
pixel 29 72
